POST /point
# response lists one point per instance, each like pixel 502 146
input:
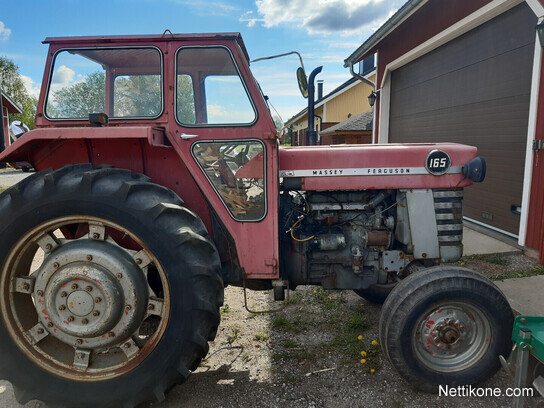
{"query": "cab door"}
pixel 228 142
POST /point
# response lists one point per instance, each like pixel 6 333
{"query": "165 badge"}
pixel 438 162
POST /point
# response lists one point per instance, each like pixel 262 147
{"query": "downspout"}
pixel 360 77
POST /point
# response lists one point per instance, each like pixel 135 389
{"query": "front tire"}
pixel 446 326
pixel 109 288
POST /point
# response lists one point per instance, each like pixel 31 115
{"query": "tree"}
pixel 80 99
pixel 12 85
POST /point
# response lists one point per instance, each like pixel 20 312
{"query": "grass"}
pixel 2 189
pixel 225 310
pixel 290 344
pixel 262 335
pixel 535 270
pixel 492 259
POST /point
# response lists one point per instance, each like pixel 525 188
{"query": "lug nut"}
pixel 70 318
pixel 84 321
pixel 89 288
pixel 127 308
pixel 62 307
pixel 96 313
pixel 56 265
pixel 79 341
pixel 97 300
pixel 96 236
pixel 89 257
pixel 74 286
pixel 26 286
pixel 127 345
pixel 138 261
pixel 39 292
pixel 50 324
pixel 151 306
pixel 39 331
pixel 63 294
pixel 111 334
pixel 119 275
pixel 48 247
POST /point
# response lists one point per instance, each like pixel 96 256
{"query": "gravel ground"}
pixel 9 177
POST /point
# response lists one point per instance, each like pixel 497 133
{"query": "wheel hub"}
pixel 90 294
pixel 447 332
pixel 451 336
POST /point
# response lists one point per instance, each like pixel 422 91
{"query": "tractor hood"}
pixel 356 167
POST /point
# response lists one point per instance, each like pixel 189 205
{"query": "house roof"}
pixel 11 106
pixel 405 11
pixel 360 122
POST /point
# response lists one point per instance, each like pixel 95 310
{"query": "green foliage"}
pixel 13 86
pixel 2 189
pixel 79 99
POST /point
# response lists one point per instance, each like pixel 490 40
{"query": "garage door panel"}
pixel 499 36
pixel 475 90
pixel 471 85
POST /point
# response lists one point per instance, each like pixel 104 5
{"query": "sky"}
pixel 325 32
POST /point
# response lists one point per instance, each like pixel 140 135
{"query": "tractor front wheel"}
pixel 109 288
pixel 446 326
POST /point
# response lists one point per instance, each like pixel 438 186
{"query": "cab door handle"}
pixel 185 136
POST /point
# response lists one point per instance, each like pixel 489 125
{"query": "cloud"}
pixel 63 75
pixel 248 18
pixel 32 87
pixel 4 32
pixel 326 16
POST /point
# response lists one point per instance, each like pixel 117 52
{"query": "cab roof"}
pixel 148 38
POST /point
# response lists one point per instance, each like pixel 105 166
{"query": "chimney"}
pixel 319 89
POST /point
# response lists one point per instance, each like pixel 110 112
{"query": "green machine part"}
pixel 535 343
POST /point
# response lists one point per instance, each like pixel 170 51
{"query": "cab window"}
pixel 209 90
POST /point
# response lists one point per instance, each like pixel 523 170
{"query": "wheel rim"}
pixel 86 307
pixel 451 337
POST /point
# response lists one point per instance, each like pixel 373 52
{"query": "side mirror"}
pixel 302 82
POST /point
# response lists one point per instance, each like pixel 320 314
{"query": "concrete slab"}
pixel 478 243
pixel 525 295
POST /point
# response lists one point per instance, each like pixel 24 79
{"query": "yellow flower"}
pixel 361 304
pixel 315 291
pixel 462 264
pixel 372 370
pixel 363 361
pixel 374 342
pixel 330 298
pixel 360 337
pixel 363 353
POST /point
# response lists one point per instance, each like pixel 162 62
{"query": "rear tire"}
pixel 446 326
pixel 129 286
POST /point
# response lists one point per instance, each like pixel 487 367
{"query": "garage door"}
pixel 475 90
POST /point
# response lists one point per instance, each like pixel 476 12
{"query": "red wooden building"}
pixel 470 71
pixel 8 107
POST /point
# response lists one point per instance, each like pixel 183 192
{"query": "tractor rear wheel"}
pixel 446 326
pixel 109 288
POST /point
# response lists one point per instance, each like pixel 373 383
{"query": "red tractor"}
pixel 160 181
